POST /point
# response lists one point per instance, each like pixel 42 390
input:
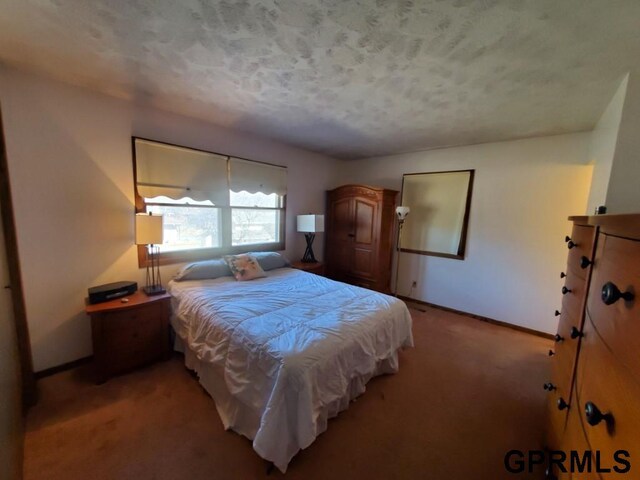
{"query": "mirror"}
pixel 439 203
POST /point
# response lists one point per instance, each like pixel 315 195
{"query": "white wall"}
pixel 602 147
pixel 69 153
pixel 522 195
pixel 623 194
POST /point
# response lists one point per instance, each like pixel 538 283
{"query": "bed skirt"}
pixel 246 421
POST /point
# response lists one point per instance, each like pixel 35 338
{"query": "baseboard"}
pixel 47 372
pixel 530 331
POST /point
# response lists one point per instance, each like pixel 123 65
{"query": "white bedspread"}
pixel 290 347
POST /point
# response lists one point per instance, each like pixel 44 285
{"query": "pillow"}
pixel 270 260
pixel 244 267
pixel 202 270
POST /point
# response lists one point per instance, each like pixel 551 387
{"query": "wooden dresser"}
pixel 359 235
pixel 594 390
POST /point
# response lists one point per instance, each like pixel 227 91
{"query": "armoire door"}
pixel 365 237
pixel 340 237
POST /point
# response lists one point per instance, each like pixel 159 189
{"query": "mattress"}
pixel 282 354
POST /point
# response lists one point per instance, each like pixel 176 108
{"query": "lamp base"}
pixel 309 257
pixel 152 290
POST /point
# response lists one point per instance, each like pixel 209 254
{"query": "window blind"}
pixel 253 177
pixel 176 172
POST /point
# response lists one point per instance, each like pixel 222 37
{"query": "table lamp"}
pixel 310 225
pixel 149 232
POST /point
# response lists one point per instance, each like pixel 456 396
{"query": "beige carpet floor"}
pixel 465 395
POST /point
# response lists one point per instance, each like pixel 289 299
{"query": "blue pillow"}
pixel 203 270
pixel 270 260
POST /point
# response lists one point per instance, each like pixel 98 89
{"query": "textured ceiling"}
pixel 349 78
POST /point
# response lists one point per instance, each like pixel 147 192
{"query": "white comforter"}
pixel 291 346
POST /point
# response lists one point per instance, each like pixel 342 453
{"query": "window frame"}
pixel 195 254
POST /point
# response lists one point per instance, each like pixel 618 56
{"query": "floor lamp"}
pixel 401 212
pixel 149 232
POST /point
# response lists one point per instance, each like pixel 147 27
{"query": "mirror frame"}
pixel 465 221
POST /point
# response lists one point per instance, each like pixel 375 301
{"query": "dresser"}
pixel 129 332
pixel 594 389
pixel 359 233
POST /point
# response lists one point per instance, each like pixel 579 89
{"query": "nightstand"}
pixel 129 334
pixel 317 268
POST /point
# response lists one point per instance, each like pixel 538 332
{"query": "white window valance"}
pixel 253 177
pixel 176 172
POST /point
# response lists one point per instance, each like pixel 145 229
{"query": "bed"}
pixel 281 355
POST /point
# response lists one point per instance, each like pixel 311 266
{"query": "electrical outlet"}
pixel 414 284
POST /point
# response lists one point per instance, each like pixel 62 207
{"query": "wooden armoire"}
pixel 359 233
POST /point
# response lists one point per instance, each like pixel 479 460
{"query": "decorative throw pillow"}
pixel 244 267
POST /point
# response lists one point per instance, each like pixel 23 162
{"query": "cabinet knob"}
pixel 611 294
pixel 549 386
pixel 566 290
pixel 558 338
pixel 593 414
pixel 562 405
pixel 584 262
pixel 551 353
pixel 575 333
pixel 567 239
pixel 557 313
pixel 562 274
pixel 571 244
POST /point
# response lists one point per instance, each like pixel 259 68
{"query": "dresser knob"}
pixel 549 386
pixel 562 274
pixel 557 313
pixel 562 405
pixel 593 414
pixel 584 262
pixel 611 294
pixel 558 338
pixel 551 353
pixel 567 239
pixel 575 333
pixel 571 244
pixel 566 290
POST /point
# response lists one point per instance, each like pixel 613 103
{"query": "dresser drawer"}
pixel 557 417
pixel 573 300
pixel 582 237
pixel 565 349
pixel 606 383
pixel 573 439
pixel 618 262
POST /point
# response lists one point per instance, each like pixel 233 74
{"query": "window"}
pixel 211 204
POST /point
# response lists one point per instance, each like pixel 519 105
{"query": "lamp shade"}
pixel 148 229
pixel 310 223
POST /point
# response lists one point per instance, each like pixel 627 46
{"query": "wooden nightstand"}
pixel 317 268
pixel 130 334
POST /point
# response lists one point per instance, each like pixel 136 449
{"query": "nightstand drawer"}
pixel 137 333
pixel 133 356
pixel 134 318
